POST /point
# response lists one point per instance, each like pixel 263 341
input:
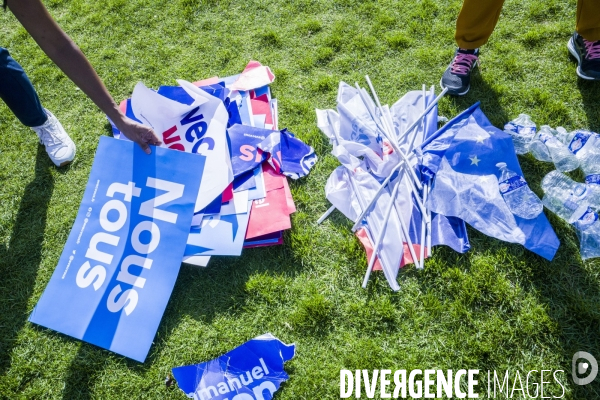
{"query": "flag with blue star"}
pixel 461 159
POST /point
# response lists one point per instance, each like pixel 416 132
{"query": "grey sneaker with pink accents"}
pixel 457 77
pixel 587 55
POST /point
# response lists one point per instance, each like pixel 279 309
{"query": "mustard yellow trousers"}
pixel 478 18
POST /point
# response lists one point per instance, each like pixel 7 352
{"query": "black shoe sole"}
pixel 575 54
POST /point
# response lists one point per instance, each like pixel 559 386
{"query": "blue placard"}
pixel 252 371
pixel 118 268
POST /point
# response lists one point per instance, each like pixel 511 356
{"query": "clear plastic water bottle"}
pixel 562 135
pixel 522 129
pixel 579 142
pixel 519 198
pixel 562 158
pixel 581 216
pixel 562 208
pixel 560 187
pixel 539 149
pixel 585 220
pixel 591 168
pixel 561 184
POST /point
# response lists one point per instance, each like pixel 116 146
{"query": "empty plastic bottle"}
pixel 539 149
pixel 563 207
pixel 582 217
pixel 559 186
pixel 585 220
pixel 579 142
pixel 522 129
pixel 562 158
pixel 519 198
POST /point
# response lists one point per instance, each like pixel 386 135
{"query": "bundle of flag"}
pixel 403 181
pixel 244 199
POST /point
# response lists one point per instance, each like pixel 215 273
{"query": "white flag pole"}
pixel 408 239
pixel 428 188
pixel 429 248
pixel 366 210
pixel 421 265
pixel 420 203
pixel 427 243
pixel 377 243
pixel 325 215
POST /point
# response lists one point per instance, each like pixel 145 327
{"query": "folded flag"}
pixel 462 158
pixel 286 154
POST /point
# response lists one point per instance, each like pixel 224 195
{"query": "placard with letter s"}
pixel 121 260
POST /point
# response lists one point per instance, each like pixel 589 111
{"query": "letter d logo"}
pixel 580 368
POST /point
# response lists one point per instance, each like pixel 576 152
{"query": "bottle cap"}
pixel 501 165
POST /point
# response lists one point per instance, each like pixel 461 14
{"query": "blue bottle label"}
pixel 587 219
pixel 544 137
pixel 579 141
pixel 520 129
pixel 511 184
pixel 593 179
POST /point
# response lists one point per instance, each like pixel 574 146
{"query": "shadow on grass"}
pixel 590 93
pixel 19 261
pixel 569 287
pixel 482 91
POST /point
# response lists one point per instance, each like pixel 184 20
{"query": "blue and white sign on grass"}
pixel 118 268
pixel 252 371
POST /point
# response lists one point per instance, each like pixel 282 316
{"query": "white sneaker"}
pixel 58 144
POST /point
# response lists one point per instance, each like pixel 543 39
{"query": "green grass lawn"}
pixel 496 307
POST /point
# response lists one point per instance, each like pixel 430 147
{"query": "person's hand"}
pixel 138 133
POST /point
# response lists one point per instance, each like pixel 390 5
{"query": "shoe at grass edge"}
pixel 58 144
pixel 587 55
pixel 457 77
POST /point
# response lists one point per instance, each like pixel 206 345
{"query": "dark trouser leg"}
pixel 18 93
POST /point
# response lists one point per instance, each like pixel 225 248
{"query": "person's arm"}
pixel 68 57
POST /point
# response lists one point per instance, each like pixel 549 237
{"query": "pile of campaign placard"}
pixel 250 202
pixel 216 185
